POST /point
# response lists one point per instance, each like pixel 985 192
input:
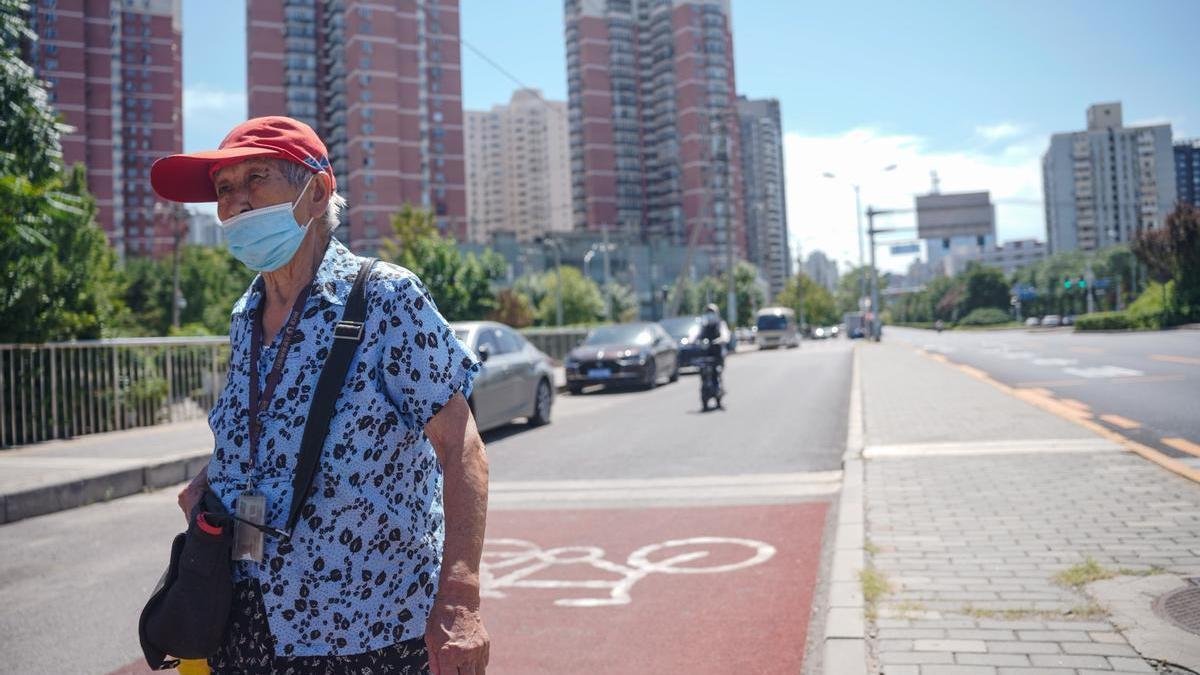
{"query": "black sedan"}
pixel 631 353
pixel 685 330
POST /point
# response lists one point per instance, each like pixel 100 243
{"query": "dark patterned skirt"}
pixel 249 648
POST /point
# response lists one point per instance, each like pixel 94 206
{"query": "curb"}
pixel 845 648
pixel 101 488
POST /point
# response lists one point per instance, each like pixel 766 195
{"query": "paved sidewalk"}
pixel 976 501
pixel 60 475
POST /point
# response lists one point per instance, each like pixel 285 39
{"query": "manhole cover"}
pixel 1181 607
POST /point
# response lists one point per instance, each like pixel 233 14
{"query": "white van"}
pixel 776 327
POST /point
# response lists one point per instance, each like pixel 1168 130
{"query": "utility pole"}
pixel 607 290
pixel 875 327
pixel 862 278
pixel 558 291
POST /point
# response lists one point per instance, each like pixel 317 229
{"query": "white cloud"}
pixel 202 99
pixel 998 132
pixel 821 211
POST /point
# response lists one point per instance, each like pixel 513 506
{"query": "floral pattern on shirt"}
pixel 361 569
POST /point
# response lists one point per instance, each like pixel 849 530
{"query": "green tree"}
pixel 57 268
pixel 983 287
pixel 819 307
pixel 460 284
pixel 512 308
pixel 849 286
pixel 622 301
pixel 582 300
pixel 1172 253
pixel 749 292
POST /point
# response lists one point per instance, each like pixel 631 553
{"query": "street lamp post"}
pixel 862 279
pixel 558 295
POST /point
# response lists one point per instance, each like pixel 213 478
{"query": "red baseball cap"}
pixel 188 178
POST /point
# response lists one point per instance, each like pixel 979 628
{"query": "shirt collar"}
pixel 332 281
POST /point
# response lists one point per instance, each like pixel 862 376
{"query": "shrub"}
pixel 1105 321
pixel 985 316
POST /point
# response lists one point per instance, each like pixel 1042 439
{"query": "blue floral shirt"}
pixel 361 570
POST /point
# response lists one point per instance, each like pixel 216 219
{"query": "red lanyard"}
pixel 258 403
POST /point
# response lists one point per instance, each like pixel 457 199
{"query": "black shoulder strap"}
pixel 346 336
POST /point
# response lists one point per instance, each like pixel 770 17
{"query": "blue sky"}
pixel 969 89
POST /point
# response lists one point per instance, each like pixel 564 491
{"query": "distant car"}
pixel 640 353
pixel 1032 321
pixel 1051 321
pixel 1068 320
pixel 819 333
pixel 834 331
pixel 777 328
pixel 685 330
pixel 516 379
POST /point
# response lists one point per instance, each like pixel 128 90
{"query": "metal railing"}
pixel 556 342
pixel 66 389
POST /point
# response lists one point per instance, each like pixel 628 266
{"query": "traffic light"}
pixel 1067 283
pixel 1082 282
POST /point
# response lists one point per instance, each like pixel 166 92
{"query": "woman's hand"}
pixel 457 642
pixel 190 495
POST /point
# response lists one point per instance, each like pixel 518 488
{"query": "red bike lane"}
pixel 676 590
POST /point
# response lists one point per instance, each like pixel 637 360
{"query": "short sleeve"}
pixel 423 363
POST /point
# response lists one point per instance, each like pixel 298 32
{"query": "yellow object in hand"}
pixel 193 667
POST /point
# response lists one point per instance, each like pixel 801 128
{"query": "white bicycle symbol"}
pixel 510 563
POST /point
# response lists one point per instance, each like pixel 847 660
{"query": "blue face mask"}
pixel 265 239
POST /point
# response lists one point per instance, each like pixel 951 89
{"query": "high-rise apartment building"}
pixel 382 85
pixel 1187 171
pixel 763 190
pixel 822 270
pixel 1013 255
pixel 518 168
pixel 654 133
pixel 113 69
pixel 1104 185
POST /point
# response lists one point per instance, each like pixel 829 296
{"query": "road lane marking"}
pixel 1103 372
pixel 704 489
pixel 1062 445
pixel 1183 445
pixel 1047 401
pixel 1055 362
pixel 1118 421
pixel 1078 405
pixel 973 371
pixel 510 563
pixel 1147 378
pixel 1050 404
pixel 1087 350
pixel 1170 358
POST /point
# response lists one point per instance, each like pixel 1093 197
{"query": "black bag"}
pixel 186 614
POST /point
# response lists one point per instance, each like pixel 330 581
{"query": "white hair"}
pixel 297 175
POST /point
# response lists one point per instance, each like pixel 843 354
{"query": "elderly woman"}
pixel 381 573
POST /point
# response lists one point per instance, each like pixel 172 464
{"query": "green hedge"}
pixel 985 316
pixel 1128 320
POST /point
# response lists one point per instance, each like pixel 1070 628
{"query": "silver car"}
pixel 517 379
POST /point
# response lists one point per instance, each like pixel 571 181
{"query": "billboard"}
pixel 941 216
pixel 905 249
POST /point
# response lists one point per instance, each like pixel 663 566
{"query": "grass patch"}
pixel 1127 572
pixel 875 586
pixel 909 609
pixel 1078 613
pixel 1083 574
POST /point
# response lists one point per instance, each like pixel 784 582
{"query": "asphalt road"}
pixel 785 411
pixel 1145 385
pixel 611 503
